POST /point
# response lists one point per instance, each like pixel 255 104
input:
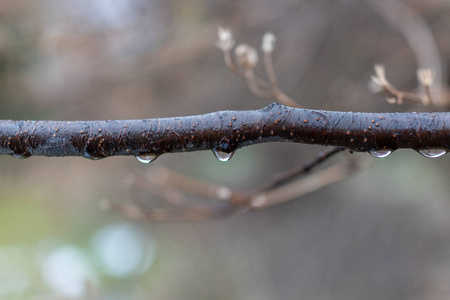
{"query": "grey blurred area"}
pixel 383 233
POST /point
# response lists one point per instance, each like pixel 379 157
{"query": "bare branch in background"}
pixel 228 201
pixel 420 39
pixel 247 59
pixel 305 185
pixel 380 85
pixel 282 178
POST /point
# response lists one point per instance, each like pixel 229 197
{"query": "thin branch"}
pixel 303 186
pixel 283 98
pixel 131 211
pixel 247 58
pixel 166 178
pixel 380 85
pixel 237 201
pixel 153 186
pixel 267 47
pixel 254 86
pixel 418 35
pixel 284 177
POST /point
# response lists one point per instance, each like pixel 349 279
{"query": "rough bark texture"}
pixel 226 131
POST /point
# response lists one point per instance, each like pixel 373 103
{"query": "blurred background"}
pixel 383 233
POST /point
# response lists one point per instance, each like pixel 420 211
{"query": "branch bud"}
pixel 380 74
pixel 246 56
pixel 225 40
pixel 268 42
pixel 425 77
pixel 378 81
pixel 374 85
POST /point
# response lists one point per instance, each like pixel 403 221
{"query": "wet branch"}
pixel 225 131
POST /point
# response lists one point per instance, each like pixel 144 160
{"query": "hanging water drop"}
pixel 432 153
pixel 380 153
pixel 91 157
pixel 146 158
pixel 222 156
pixel 21 155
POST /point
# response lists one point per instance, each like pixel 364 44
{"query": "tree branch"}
pixel 284 177
pixel 225 131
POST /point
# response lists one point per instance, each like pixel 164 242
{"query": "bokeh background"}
pixel 383 233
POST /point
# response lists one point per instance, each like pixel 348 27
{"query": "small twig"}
pixel 189 185
pixel 283 98
pixel 152 185
pixel 282 178
pixel 238 202
pixel 417 33
pixel 426 79
pixel 229 62
pixel 254 86
pixel 137 213
pixel 304 185
pixel 267 47
pixel 247 58
pixel 380 85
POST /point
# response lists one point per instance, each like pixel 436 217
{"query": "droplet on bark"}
pixel 432 153
pixel 147 157
pixel 222 156
pixel 380 153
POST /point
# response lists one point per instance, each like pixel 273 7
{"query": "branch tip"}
pixel 380 74
pixel 378 84
pixel 268 42
pixel 225 40
pixel 425 77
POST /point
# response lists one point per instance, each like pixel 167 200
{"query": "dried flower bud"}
pixel 374 85
pixel 425 77
pixel 378 81
pixel 225 39
pixel 380 74
pixel 246 56
pixel 391 100
pixel 268 42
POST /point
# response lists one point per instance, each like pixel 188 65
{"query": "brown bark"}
pixel 226 131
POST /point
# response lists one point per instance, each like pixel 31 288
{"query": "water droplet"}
pixel 222 156
pixel 380 153
pixel 146 158
pixel 92 157
pixel 21 155
pixel 432 153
